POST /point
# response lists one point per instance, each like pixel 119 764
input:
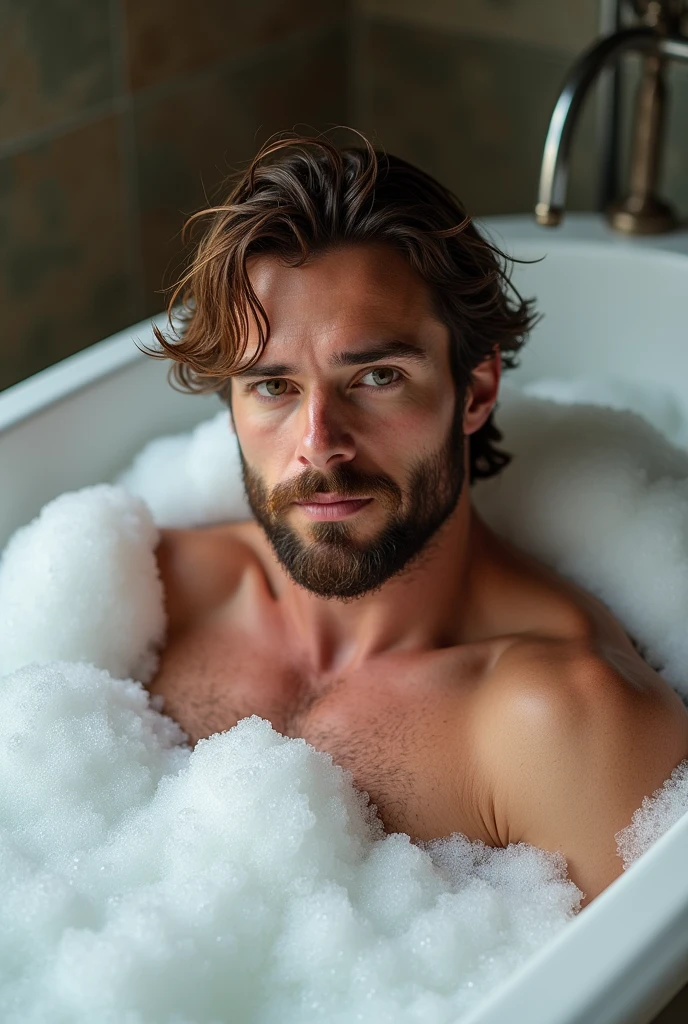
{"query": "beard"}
pixel 334 564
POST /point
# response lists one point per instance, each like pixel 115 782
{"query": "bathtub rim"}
pixel 591 228
pixel 60 381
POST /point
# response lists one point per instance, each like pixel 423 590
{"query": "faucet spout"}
pixel 554 173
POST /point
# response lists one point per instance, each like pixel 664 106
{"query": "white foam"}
pixel 655 816
pixel 247 880
pixel 80 583
pixel 191 478
pixel 659 406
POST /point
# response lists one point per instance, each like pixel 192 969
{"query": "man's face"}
pixel 352 399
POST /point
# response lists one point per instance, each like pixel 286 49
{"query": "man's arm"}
pixel 570 748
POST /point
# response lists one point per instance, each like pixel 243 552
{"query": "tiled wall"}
pixel 466 90
pixel 116 116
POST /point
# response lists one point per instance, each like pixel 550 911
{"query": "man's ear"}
pixel 481 393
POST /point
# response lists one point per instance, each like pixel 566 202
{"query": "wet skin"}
pixel 475 691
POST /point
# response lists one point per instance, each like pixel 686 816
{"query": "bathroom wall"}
pixel 116 117
pixel 466 88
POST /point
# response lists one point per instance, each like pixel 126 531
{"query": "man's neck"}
pixel 428 605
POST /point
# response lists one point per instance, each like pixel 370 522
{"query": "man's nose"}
pixel 324 437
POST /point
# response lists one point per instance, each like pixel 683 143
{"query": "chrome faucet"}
pixel 641 212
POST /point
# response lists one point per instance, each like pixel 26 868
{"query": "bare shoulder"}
pixel 568 747
pixel 200 568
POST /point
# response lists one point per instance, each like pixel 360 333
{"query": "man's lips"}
pixel 332 506
pixel 329 499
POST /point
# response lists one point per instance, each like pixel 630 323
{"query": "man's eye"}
pixel 275 388
pixel 382 376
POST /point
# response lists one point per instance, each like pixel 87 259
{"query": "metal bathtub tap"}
pixel 641 212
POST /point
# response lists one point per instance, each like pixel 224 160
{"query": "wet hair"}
pixel 302 196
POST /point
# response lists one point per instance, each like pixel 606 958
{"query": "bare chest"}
pixel 401 725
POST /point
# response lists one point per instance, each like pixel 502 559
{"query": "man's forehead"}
pixel 371 283
pixel 349 301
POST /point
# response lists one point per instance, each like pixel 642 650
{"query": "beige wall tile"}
pixel 566 25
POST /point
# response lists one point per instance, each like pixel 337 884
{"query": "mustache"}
pixel 344 480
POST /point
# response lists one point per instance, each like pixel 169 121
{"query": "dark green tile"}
pixel 190 141
pixel 674 179
pixel 567 25
pixel 473 112
pixel 65 274
pixel 180 36
pixel 55 61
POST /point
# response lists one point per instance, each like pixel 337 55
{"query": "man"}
pixel 356 323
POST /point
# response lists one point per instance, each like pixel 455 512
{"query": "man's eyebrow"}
pixel 384 350
pixel 357 357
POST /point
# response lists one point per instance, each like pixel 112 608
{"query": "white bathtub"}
pixel 613 307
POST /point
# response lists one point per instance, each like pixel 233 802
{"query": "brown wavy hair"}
pixel 301 196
